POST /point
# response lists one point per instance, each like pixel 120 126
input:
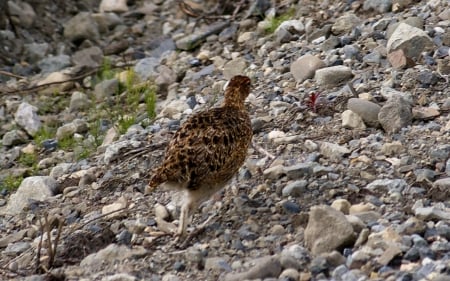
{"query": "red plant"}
pixel 313 101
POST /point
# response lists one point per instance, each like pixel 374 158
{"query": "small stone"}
pixel 295 188
pixel 332 151
pixel 274 172
pixel 295 256
pixel 80 27
pixel 392 148
pixel 161 212
pixel 425 113
pixel 382 6
pixel 342 205
pixel 299 170
pixel 26 116
pixel 114 210
pixel 352 120
pixel 289 274
pixel 90 57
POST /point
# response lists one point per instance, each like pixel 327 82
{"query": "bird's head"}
pixel 237 90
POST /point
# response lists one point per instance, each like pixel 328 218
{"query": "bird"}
pixel 207 151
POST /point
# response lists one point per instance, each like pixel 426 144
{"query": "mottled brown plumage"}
pixel 207 150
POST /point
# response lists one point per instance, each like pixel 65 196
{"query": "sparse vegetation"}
pixel 43 134
pixel 275 22
pixel 11 182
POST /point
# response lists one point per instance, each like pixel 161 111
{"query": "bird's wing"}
pixel 209 144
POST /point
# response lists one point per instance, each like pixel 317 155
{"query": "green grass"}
pixel 67 143
pixel 275 22
pixel 43 134
pixel 11 182
pixel 124 122
pixel 28 159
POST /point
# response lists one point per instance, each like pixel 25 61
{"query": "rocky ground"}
pixel 348 176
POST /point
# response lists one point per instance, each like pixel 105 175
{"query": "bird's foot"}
pixel 198 230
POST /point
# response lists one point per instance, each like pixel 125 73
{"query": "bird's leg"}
pixel 184 218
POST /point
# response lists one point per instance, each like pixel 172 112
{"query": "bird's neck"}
pixel 233 99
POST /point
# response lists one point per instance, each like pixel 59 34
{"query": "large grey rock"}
pixel 382 6
pixel 14 137
pixel 265 267
pixel 234 67
pixel 109 255
pixel 395 114
pixel 54 63
pixel 78 101
pixel 367 110
pixel 91 57
pixel 81 27
pixel 146 68
pixel 333 151
pixel 327 230
pixel 106 88
pixel 345 24
pixel 32 188
pixel 26 117
pixel 21 13
pixel 333 75
pixel 305 67
pixel 412 40
pixel 67 130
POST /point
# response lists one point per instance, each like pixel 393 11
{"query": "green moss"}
pixel 11 183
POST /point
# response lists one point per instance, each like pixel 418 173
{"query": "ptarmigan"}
pixel 207 150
